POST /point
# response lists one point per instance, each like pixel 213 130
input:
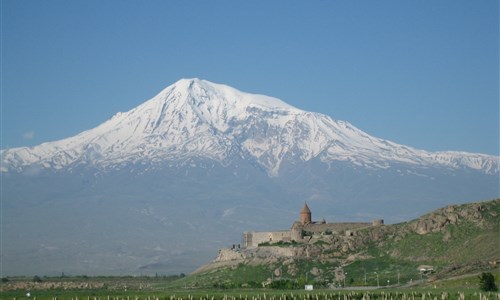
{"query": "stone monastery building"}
pixel 303 230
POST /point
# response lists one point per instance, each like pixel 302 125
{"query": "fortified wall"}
pixel 335 228
pixel 253 239
pixel 302 228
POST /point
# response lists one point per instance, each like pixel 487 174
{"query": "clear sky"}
pixel 420 73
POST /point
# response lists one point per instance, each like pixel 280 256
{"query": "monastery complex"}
pixel 303 230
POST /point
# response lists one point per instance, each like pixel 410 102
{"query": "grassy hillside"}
pixel 455 240
pixel 472 237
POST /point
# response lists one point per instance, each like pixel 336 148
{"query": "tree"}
pixel 37 278
pixel 487 282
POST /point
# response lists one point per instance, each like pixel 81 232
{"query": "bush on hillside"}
pixel 487 282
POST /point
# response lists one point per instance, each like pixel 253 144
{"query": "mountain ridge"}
pixel 159 188
pixel 197 118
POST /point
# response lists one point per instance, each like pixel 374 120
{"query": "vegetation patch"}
pixel 280 244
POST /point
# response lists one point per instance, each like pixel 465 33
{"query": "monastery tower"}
pixel 305 215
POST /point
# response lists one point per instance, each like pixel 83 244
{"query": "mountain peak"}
pixel 198 118
pixel 210 151
pixel 186 83
pixel 206 90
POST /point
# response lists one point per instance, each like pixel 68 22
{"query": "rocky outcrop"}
pixel 346 248
pixel 228 255
pixel 439 219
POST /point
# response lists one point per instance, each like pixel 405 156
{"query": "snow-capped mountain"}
pixel 160 188
pixel 197 118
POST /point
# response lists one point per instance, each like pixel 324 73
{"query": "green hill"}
pixel 451 241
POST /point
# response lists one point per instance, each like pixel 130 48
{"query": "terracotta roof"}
pixel 305 209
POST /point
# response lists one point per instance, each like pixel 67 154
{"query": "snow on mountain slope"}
pixel 197 118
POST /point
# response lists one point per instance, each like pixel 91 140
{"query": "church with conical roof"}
pixel 303 230
pixel 305 215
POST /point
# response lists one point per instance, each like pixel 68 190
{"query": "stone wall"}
pixel 253 239
pixel 335 228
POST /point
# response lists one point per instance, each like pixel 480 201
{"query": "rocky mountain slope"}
pixel 158 188
pixel 456 239
pixel 197 118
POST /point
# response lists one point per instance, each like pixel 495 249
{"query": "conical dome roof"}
pixel 305 209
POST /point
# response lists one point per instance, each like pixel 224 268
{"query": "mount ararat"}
pixel 197 118
pixel 158 188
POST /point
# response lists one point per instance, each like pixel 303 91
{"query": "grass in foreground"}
pixel 151 288
pixel 418 294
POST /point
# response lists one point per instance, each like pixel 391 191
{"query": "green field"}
pixel 157 288
pixel 418 294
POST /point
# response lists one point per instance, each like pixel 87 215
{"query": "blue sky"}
pixel 420 73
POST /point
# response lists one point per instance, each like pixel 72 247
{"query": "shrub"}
pixel 487 282
pixel 321 242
